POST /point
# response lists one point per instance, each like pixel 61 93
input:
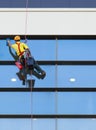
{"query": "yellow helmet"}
pixel 17 38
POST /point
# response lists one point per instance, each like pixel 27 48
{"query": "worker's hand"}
pixel 27 49
pixel 8 42
pixel 26 40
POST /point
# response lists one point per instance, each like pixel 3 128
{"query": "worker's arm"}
pixel 27 50
pixel 8 43
pixel 25 46
pixel 13 54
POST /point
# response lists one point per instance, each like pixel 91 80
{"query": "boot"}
pixel 43 74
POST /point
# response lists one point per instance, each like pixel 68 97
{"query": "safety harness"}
pixel 21 53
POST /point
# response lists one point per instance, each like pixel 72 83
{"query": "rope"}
pixel 26 25
pixel 26 18
pixel 56 84
pixel 31 102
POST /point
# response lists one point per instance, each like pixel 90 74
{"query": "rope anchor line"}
pixel 31 82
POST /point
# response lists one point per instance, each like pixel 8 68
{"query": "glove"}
pixel 7 41
pixel 26 40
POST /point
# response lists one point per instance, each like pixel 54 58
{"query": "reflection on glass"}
pixel 81 76
pixel 8 77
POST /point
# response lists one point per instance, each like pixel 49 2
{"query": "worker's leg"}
pixel 39 69
pixel 36 74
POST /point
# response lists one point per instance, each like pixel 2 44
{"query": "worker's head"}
pixel 17 38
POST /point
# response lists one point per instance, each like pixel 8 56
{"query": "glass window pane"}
pixel 77 124
pixel 48 103
pixel 77 103
pixel 40 49
pixel 76 50
pixel 8 75
pixel 27 124
pixel 15 103
pixel 43 49
pixel 48 124
pixel 44 103
pixel 20 103
pixel 46 49
pixel 4 53
pixel 76 76
pixel 14 124
pixel 67 76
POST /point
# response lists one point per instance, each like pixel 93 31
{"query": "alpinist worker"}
pixel 20 49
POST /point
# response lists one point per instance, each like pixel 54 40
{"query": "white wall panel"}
pixel 48 21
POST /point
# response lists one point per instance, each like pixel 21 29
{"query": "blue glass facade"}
pixel 70 103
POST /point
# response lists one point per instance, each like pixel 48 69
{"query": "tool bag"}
pixel 30 62
pixel 19 65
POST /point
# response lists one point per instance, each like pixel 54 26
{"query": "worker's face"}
pixel 17 42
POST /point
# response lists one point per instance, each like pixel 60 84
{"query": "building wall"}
pixel 47 21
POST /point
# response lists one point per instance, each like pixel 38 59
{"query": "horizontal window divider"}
pixel 54 62
pixel 48 89
pixel 48 116
pixel 51 37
